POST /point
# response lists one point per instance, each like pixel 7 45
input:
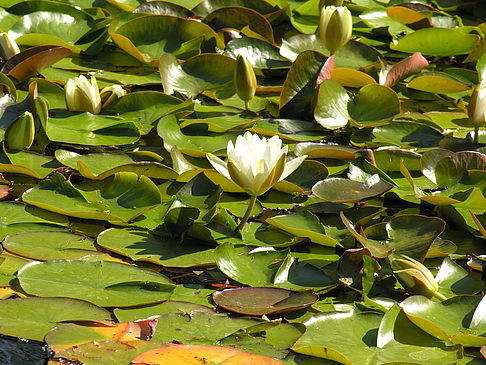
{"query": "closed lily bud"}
pixel 335 27
pixel 83 95
pixel 415 277
pixel 8 47
pixel 111 93
pixel 244 79
pixel 20 134
pixel 477 105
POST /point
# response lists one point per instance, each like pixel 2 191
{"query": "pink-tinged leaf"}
pixel 67 335
pixel 32 60
pixel 406 67
pixel 326 71
pixel 4 190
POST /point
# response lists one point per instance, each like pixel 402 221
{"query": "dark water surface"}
pixel 15 351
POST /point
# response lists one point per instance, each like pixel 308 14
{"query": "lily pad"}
pixel 98 166
pixel 440 42
pixel 33 317
pixel 122 196
pixel 339 190
pixel 194 354
pixel 141 245
pixel 90 129
pixel 45 245
pixel 459 319
pixel 258 301
pixel 103 283
pixel 148 37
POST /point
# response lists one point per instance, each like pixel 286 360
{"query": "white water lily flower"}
pixel 83 95
pixel 477 105
pixel 256 164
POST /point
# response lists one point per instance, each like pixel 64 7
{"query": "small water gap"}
pixel 17 351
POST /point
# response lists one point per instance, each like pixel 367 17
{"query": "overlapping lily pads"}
pixel 123 210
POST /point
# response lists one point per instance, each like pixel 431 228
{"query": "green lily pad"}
pixel 33 317
pixel 449 170
pixel 298 88
pixel 441 42
pixel 454 280
pixel 45 245
pixel 202 73
pixel 259 53
pixel 459 319
pixel 28 163
pixel 258 301
pixel 302 275
pixel 255 269
pixel 133 314
pixel 98 166
pixel 374 105
pixel 347 338
pixel 9 265
pixel 103 283
pixel 147 107
pixel 237 17
pixel 148 37
pixel 303 224
pixel 193 145
pixel 204 7
pixel 322 150
pixel 378 18
pixel 404 134
pixel 339 190
pixel 406 234
pixel 141 245
pixel 52 27
pixel 353 55
pixel 199 327
pixel 331 110
pixel 17 217
pixel 122 196
pixel 90 129
pixel 437 82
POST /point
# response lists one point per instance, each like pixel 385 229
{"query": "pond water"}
pixel 16 351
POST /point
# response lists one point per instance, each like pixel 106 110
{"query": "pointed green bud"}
pixel 415 277
pixel 335 27
pixel 244 79
pixel 8 47
pixel 111 93
pixel 20 134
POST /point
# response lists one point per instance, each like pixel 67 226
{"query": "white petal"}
pixel 291 166
pixel 219 165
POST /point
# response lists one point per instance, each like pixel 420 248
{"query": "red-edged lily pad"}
pixel 258 301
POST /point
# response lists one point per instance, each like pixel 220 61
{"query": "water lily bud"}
pixel 244 79
pixel 20 134
pixel 415 277
pixel 255 164
pixel 335 27
pixel 111 93
pixel 82 95
pixel 477 105
pixel 8 47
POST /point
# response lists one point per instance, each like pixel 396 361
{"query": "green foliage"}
pixel 116 217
